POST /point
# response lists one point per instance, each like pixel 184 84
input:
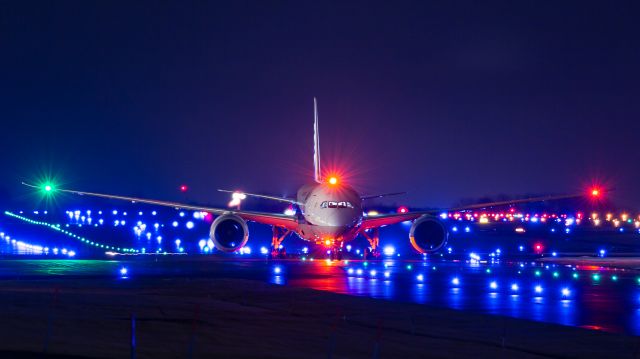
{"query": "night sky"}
pixel 445 100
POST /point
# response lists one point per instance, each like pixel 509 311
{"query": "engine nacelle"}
pixel 229 233
pixel 428 234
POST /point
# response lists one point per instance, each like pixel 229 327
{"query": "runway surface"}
pixel 587 296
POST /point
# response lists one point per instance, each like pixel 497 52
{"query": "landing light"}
pixel 238 196
pixel 333 180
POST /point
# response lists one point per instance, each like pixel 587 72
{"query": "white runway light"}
pixel 389 250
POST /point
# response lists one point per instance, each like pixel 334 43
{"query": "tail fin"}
pixel 316 143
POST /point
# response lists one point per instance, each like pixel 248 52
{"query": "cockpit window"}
pixel 334 204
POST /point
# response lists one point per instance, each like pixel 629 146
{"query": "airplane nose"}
pixel 342 220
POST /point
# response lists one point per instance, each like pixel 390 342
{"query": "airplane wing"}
pixel 274 219
pixel 393 218
pixel 382 195
pixel 274 198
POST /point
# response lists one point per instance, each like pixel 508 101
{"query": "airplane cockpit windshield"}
pixel 336 204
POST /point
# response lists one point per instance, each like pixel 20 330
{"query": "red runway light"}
pixel 595 192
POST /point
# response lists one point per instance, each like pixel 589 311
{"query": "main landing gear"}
pixel 374 243
pixel 279 234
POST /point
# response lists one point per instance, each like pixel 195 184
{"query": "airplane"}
pixel 329 213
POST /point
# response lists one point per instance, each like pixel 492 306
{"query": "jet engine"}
pixel 229 232
pixel 428 234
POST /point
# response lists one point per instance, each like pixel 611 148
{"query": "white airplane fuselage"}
pixel 332 213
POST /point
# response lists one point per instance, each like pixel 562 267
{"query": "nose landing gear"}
pixel 336 252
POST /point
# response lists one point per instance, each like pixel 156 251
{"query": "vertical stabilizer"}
pixel 316 143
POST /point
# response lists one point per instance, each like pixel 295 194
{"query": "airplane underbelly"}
pixel 322 233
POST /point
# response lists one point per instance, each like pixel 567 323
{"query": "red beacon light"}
pixel 403 209
pixel 183 188
pixel 595 192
